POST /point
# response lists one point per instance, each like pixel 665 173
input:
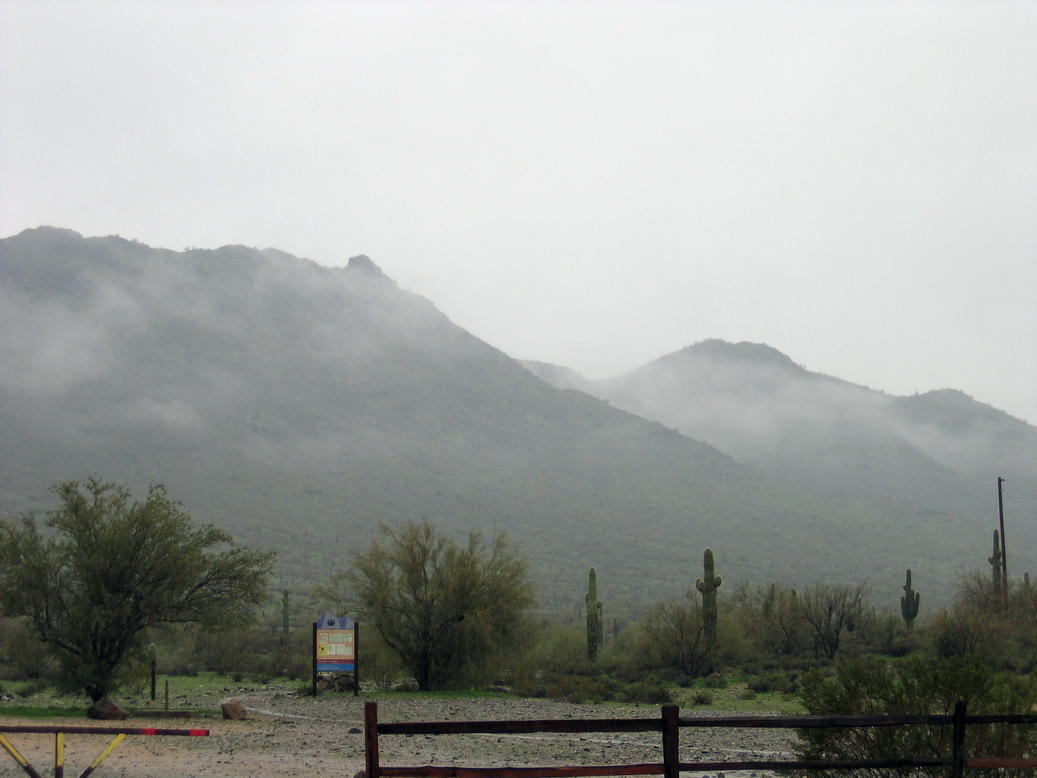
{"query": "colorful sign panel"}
pixel 334 645
pixel 335 650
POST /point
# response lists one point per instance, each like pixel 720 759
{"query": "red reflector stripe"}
pixel 148 731
pixel 201 732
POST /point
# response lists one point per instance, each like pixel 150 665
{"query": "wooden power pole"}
pixel 1004 559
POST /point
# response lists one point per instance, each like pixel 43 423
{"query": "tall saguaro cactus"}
pixel 995 567
pixel 909 603
pixel 594 629
pixel 708 587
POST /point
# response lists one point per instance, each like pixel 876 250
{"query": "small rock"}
pixel 355 730
pixel 106 710
pixel 233 710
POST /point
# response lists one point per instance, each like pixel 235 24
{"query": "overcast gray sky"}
pixel 591 184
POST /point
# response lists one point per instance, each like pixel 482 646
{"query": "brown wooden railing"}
pixel 669 725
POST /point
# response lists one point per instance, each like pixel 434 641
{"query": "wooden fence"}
pixel 669 725
pixel 59 743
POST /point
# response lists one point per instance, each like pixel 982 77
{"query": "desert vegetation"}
pixel 135 583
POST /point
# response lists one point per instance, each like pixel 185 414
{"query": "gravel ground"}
pixel 286 735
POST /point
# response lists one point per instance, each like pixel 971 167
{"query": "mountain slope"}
pixel 895 458
pixel 298 406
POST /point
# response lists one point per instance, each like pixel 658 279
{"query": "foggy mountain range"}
pixel 754 403
pixel 297 406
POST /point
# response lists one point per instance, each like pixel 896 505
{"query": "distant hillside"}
pixel 298 406
pixel 757 404
pixel 938 452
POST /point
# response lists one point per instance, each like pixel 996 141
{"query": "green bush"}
pixel 776 681
pixel 915 686
pixel 702 698
pixel 30 657
pixel 578 688
pixel 560 652
pixel 651 690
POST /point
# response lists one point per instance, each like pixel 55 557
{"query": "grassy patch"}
pixel 738 696
pixel 30 711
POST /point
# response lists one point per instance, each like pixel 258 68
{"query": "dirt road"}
pixel 287 735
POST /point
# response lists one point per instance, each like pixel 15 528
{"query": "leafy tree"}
pixel 915 686
pixel 443 608
pixel 829 610
pixel 109 569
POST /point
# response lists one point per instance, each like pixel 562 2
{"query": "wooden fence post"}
pixel 958 745
pixel 671 741
pixel 371 739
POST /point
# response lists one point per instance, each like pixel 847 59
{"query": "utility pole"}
pixel 1004 558
pixel 284 618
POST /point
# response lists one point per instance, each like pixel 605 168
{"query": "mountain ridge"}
pixel 298 406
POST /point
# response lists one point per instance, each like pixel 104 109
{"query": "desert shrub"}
pixel 775 681
pixel 134 676
pixel 220 651
pixel 652 690
pixel 715 681
pixel 379 663
pixel 558 651
pixel 672 640
pixel 702 698
pixel 29 658
pixel 734 645
pixel 578 688
pixel 979 624
pixel 914 686
pixel 771 622
pixel 874 633
pixel 35 686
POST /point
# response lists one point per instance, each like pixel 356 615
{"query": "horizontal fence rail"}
pixel 59 742
pixel 669 725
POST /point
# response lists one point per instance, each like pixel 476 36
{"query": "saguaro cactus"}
pixel 995 565
pixel 708 587
pixel 909 603
pixel 594 629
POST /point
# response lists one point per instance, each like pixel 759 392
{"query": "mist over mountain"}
pixel 297 406
pixel 938 451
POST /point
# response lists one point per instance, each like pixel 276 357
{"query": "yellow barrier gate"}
pixel 59 743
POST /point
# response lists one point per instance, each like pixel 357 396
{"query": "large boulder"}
pixel 106 710
pixel 233 710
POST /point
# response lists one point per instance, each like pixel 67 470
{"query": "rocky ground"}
pixel 287 735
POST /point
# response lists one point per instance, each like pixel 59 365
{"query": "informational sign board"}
pixel 335 645
pixel 336 651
